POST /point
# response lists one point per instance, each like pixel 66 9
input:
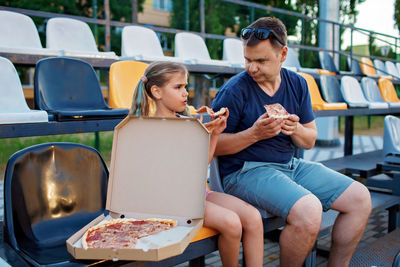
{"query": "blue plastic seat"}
pixel 292 63
pixel 354 96
pixel 354 66
pixel 51 191
pixel 330 89
pixel 380 67
pixel 371 92
pixel 391 139
pixel 69 89
pixel 326 61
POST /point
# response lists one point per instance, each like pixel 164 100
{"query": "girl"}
pixel 165 83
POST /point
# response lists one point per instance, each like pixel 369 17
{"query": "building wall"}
pixel 153 16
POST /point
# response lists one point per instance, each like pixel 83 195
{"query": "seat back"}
pixel 380 67
pixel 326 61
pixel 371 90
pixel 67 84
pixel 140 41
pixel 315 95
pixel 391 136
pixel 12 96
pixel 124 76
pixel 233 51
pixel 190 46
pixel 367 67
pixel 392 69
pixel 398 67
pixel 292 59
pixel 18 31
pixel 69 34
pixel 330 89
pixel 51 191
pixel 387 90
pixel 351 90
pixel 354 66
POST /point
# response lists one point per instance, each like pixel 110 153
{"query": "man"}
pixel 256 152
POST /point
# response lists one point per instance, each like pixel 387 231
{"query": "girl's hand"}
pixel 218 125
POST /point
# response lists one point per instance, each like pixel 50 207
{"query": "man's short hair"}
pixel 271 23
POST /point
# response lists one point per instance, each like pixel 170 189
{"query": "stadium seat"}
pixel 51 191
pixel 13 107
pixel 124 76
pixel 292 63
pixel 398 70
pixel 192 49
pixel 317 102
pixel 74 38
pixel 69 89
pixel 354 66
pixel 368 68
pixel 380 67
pixel 19 35
pixel 352 93
pixel 392 69
pixel 387 90
pixel 330 89
pixel 233 52
pixel 372 93
pixel 141 43
pixel 391 139
pixel 326 62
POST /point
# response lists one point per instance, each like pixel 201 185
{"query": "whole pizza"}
pixel 123 233
pixel 276 111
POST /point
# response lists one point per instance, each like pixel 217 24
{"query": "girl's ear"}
pixel 156 92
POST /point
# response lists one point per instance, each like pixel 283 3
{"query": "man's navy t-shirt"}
pixel 245 101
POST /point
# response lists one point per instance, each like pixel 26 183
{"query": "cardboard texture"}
pixel 158 170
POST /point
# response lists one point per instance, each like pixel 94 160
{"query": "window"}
pixel 165 5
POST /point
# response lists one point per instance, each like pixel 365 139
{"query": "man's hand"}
pixel 290 125
pixel 266 127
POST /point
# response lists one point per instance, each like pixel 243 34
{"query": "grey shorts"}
pixel 276 187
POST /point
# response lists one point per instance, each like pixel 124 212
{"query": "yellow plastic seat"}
pixel 387 90
pixel 367 68
pixel 204 233
pixel 325 72
pixel 124 76
pixel 317 102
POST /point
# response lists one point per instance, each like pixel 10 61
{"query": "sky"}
pixel 374 15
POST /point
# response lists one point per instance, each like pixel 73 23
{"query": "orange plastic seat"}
pixel 124 76
pixel 367 68
pixel 387 90
pixel 317 102
pixel 204 233
pixel 325 72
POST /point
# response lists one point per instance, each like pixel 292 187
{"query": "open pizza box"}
pixel 158 170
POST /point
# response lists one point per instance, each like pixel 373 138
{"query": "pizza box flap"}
pixel 159 166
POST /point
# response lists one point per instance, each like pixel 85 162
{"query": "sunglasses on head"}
pixel 260 34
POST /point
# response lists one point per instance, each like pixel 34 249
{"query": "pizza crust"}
pixel 106 223
pixel 221 112
pixel 209 111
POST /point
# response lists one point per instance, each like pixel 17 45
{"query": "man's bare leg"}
pixel 354 206
pixel 302 228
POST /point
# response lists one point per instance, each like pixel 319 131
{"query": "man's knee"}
pixel 306 215
pixel 361 198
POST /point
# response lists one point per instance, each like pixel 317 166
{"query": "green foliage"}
pixel 397 13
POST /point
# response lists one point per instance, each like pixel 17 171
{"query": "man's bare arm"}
pixel 303 135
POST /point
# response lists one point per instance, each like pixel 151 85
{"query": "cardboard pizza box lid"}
pixel 158 168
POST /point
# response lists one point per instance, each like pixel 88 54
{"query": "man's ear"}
pixel 284 53
pixel 156 92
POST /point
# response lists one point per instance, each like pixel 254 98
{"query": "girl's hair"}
pixel 157 73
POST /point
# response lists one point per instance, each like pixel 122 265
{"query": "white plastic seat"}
pixel 74 37
pixel 380 67
pixel 391 69
pixel 292 63
pixel 372 93
pixel 398 67
pixel 192 49
pixel 353 95
pixel 141 43
pixel 19 35
pixel 233 52
pixel 391 139
pixel 13 107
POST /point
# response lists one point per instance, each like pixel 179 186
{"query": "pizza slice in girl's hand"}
pixel 210 112
pixel 276 111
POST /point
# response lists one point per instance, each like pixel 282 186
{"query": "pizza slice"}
pixel 210 112
pixel 276 111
